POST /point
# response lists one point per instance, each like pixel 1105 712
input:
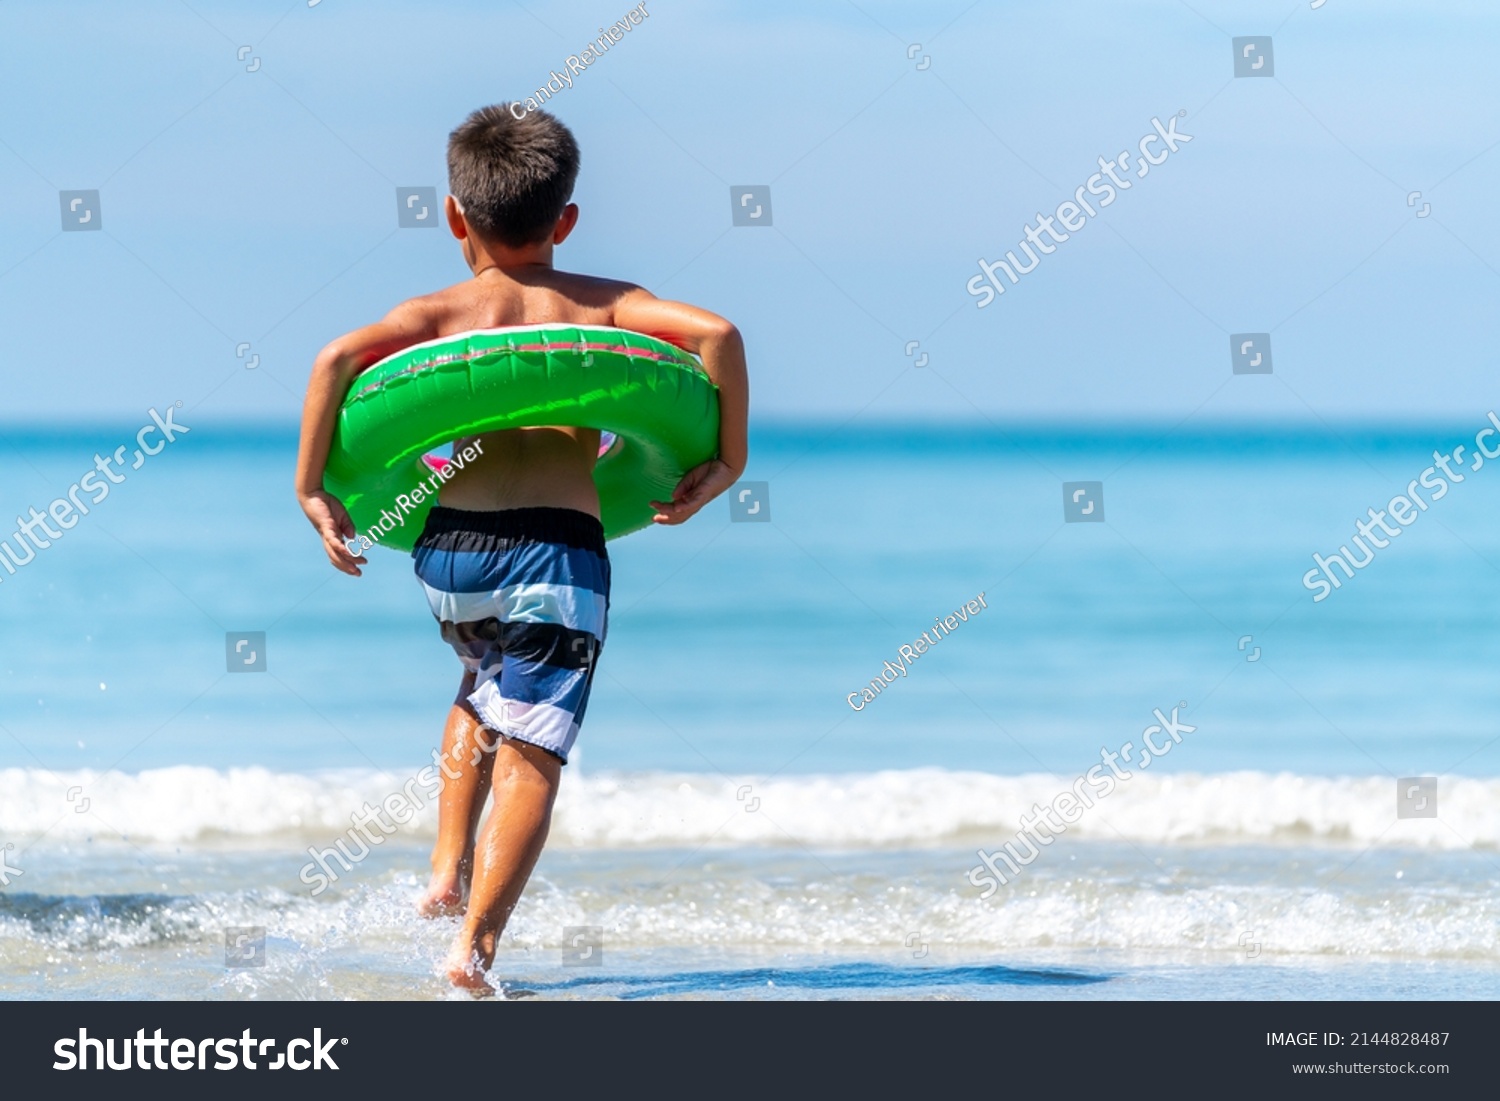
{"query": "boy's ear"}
pixel 456 224
pixel 565 224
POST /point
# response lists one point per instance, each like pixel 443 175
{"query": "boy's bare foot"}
pixel 448 890
pixel 469 962
pixel 444 896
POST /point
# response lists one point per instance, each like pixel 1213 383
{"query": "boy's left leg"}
pixel 457 583
pixel 466 765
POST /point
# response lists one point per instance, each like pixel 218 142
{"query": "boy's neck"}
pixel 483 256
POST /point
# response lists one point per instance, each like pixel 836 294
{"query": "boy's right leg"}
pixel 526 784
pixel 467 766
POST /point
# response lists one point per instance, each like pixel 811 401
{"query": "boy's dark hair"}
pixel 512 176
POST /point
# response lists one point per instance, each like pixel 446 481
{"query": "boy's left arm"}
pixel 335 368
pixel 718 344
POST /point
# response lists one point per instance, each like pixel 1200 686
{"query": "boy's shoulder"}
pixel 592 290
pixel 520 299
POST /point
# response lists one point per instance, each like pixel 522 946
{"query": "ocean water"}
pixel 731 826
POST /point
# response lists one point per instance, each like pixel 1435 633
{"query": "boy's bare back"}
pixel 526 467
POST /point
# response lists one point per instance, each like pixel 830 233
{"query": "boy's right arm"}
pixel 335 368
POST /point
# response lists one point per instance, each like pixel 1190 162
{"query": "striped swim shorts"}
pixel 523 596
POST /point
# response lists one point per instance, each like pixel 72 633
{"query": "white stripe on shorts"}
pixel 569 605
pixel 539 724
pixel 580 609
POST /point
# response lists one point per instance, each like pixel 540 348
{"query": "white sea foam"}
pixel 798 907
pixel 659 810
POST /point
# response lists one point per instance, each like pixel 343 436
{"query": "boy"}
pixel 512 558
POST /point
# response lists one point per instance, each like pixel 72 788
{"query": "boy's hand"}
pixel 329 516
pixel 698 487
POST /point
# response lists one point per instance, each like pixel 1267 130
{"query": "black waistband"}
pixel 567 526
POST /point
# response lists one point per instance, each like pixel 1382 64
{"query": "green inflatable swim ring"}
pixel 654 399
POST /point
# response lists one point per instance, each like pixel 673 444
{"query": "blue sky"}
pixel 259 207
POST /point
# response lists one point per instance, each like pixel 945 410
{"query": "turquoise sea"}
pixel 732 827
